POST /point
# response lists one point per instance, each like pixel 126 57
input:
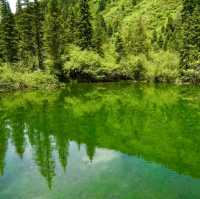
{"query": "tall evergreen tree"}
pixel 85 27
pixel 54 36
pixel 72 25
pixel 99 34
pixel 169 33
pixel 38 30
pixel 8 49
pixel 26 39
pixel 119 46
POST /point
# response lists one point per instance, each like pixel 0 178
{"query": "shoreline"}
pixel 13 88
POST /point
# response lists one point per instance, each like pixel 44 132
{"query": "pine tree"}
pixel 99 34
pixel 72 25
pixel 26 34
pixel 7 33
pixel 38 30
pixel 169 33
pixel 54 36
pixel 85 27
pixel 119 47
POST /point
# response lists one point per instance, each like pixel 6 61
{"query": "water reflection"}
pixel 157 124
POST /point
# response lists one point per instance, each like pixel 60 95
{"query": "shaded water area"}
pixel 101 141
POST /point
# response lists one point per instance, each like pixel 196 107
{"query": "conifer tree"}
pixel 85 27
pixel 26 34
pixel 38 31
pixel 169 33
pixel 54 36
pixel 119 47
pixel 72 25
pixel 99 34
pixel 7 33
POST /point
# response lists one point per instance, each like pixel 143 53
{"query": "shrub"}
pixel 163 67
pixel 12 79
pixel 134 67
pixel 82 59
pixel 81 62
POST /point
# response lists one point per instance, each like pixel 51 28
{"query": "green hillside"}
pixel 154 12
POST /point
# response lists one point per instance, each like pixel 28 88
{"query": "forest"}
pixel 45 42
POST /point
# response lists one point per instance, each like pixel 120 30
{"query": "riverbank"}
pixel 87 66
pixel 46 81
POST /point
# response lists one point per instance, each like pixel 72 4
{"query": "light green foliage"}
pixel 11 79
pixel 134 67
pixel 82 59
pixel 136 39
pixel 163 66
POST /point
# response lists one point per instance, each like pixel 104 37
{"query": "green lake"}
pixel 101 141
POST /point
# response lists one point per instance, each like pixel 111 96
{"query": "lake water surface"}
pixel 101 141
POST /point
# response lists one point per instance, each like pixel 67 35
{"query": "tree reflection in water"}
pixel 159 124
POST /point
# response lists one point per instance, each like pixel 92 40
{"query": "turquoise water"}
pixel 101 141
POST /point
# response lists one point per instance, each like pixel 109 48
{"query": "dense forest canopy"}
pixel 101 40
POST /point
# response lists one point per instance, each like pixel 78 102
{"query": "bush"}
pixel 82 59
pixel 134 67
pixel 85 65
pixel 163 67
pixel 81 63
pixel 12 79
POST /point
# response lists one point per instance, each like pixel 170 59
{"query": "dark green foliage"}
pixel 99 34
pixel 161 41
pixel 38 30
pixel 190 54
pixel 72 25
pixel 85 27
pixel 8 47
pixel 26 32
pixel 119 47
pixel 54 36
pixel 169 33
pixel 139 71
pixel 154 40
pixel 101 5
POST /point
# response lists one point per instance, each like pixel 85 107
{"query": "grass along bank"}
pixel 13 79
